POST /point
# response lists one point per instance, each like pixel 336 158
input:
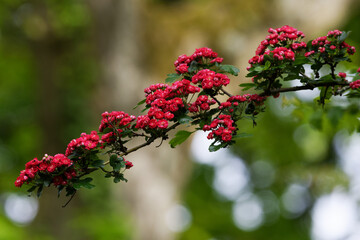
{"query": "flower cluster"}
pixel 50 166
pixel 330 43
pixel 222 128
pixel 210 79
pixel 342 74
pixel 115 119
pixel 128 164
pixel 164 102
pixel 201 55
pixel 202 103
pixel 235 100
pixel 355 84
pixel 282 43
pixel 85 142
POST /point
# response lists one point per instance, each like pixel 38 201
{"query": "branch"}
pixel 309 86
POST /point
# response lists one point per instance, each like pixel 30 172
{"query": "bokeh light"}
pixel 178 218
pixel 21 209
pixel 334 216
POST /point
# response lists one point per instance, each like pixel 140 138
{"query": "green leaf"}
pixel 70 190
pixel 230 69
pixel 116 166
pixel 116 162
pixel 47 182
pixel 185 119
pixel 300 60
pixel 83 183
pixel 353 95
pixel 316 66
pixel 343 36
pixel 325 94
pixel 60 188
pixel 247 86
pixel 259 68
pixel 214 148
pixel 119 177
pixel 172 77
pixel 113 158
pixel 252 73
pixel 179 138
pixel 267 65
pixel 193 67
pixel 291 76
pixel 326 78
pixel 39 191
pixel 31 189
pixel 340 59
pixel 140 103
pixel 97 163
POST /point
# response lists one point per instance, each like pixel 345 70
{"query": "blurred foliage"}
pixel 299 146
pixel 47 73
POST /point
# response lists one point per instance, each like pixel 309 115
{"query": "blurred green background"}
pixel 62 63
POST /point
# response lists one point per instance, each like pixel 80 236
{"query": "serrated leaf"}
pixel 172 77
pixel 60 188
pixel 230 69
pixel 259 68
pixel 291 76
pixel 119 177
pixel 116 166
pixel 252 73
pixel 83 183
pixel 326 78
pixel 179 138
pixel 70 190
pixel 113 158
pixel 193 67
pixel 31 189
pixel 39 191
pixel 97 163
pixel 214 148
pixel 300 60
pixel 267 65
pixel 185 119
pixel 47 183
pixel 353 95
pixel 343 36
pixel 140 103
pixel 247 86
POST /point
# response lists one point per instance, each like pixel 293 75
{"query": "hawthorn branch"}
pixel 308 86
pixel 225 92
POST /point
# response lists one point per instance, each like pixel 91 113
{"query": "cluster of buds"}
pixel 233 102
pixel 222 128
pixel 201 55
pixel 330 44
pixel 202 103
pixel 356 84
pixel 282 43
pixel 115 119
pixel 84 142
pixel 52 167
pixel 209 79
